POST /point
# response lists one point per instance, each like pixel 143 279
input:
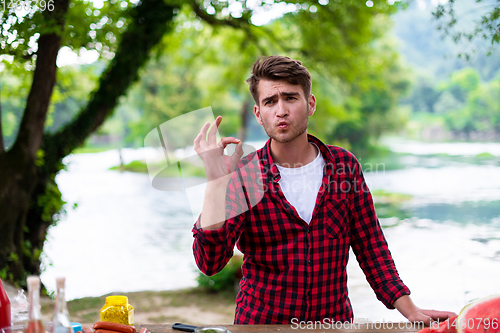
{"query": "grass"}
pixel 485 155
pixel 389 204
pixel 153 306
pixel 390 197
pixel 90 150
pixel 187 169
pixel 134 166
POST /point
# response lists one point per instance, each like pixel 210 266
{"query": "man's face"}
pixel 283 110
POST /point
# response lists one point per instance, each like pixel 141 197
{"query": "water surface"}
pixel 126 236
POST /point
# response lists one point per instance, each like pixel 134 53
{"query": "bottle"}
pixel 5 320
pixel 60 321
pixel 35 324
pixel 117 310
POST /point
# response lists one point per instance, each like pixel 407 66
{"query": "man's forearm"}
pixel 405 305
pixel 214 205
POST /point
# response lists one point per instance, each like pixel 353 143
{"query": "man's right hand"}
pixel 218 169
pixel 217 165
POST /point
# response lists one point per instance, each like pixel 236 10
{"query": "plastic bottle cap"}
pixel 33 282
pixel 60 282
pixel 117 300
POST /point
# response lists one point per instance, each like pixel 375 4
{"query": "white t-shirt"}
pixel 301 185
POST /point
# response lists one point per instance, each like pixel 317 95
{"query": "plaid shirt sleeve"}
pixel 214 248
pixel 369 244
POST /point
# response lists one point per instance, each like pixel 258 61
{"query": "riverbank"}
pixel 189 305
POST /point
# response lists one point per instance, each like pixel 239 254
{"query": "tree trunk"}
pixel 2 148
pixel 151 19
pixel 18 177
pixel 244 113
pixel 16 185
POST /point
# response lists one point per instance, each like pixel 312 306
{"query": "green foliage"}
pixel 481 112
pixel 88 150
pixel 462 83
pixel 485 26
pixel 226 279
pixel 86 26
pixel 357 83
pixel 432 54
pixel 485 156
pixel 3 273
pixel 203 65
pixel 51 203
pixel 190 74
pixel 392 197
pixel 367 109
pixel 344 44
pixel 146 106
pixel 40 154
pixel 188 170
pixel 14 88
pixel 73 86
pixel 13 257
pixel 464 104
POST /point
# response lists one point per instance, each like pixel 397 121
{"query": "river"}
pixel 126 236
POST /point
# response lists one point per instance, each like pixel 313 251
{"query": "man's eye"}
pixel 291 98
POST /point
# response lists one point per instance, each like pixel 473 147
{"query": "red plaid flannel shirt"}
pixel 292 269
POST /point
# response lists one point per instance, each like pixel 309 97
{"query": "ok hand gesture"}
pixel 217 165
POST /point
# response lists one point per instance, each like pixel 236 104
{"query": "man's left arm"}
pixel 372 252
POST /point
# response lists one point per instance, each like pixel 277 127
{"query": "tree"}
pixel 486 28
pixel 29 197
pixel 125 34
pixel 480 114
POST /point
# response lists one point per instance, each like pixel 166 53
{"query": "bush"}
pixel 226 279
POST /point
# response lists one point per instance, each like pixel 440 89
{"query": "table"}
pixel 387 327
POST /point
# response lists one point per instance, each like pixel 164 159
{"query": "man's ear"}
pixel 256 112
pixel 312 105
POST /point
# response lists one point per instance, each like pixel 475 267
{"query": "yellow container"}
pixel 117 310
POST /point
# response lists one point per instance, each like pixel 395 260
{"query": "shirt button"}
pixel 309 261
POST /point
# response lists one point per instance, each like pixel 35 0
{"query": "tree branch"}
pixel 486 28
pixel 213 21
pixel 240 23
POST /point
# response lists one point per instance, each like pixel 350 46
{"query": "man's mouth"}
pixel 283 124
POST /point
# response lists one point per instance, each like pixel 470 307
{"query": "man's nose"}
pixel 281 109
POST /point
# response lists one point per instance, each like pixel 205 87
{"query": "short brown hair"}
pixel 277 68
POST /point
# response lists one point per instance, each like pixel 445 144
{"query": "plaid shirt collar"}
pixel 273 172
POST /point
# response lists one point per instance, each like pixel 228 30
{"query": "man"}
pixel 294 214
